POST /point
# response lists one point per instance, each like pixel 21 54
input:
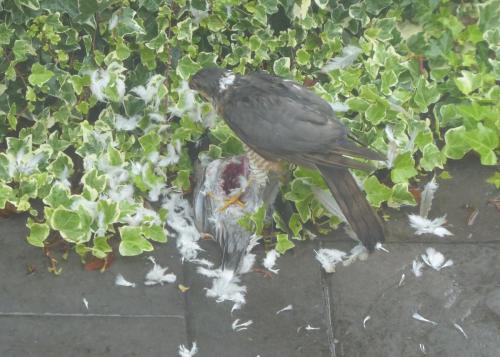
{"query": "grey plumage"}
pixel 282 120
pixel 216 184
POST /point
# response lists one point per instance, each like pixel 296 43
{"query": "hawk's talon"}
pixel 235 199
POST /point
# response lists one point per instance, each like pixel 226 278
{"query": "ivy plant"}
pixel 97 120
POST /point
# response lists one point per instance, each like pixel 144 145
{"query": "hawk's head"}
pixel 211 81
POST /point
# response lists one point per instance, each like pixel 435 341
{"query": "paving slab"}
pixel 298 283
pixel 456 294
pixel 89 336
pixel 44 315
pixel 40 313
pixel 456 198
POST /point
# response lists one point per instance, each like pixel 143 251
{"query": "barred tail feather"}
pixel 352 201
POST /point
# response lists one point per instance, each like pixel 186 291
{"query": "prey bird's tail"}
pixel 359 214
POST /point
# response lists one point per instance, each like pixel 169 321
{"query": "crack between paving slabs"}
pixel 327 302
pixel 60 314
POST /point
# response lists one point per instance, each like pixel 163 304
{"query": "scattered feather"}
pixel 241 326
pixel 157 275
pixel 366 320
pixel 435 259
pixel 121 281
pixel 329 258
pixel 270 261
pixel 380 246
pixel 426 226
pixel 472 216
pixel 392 147
pixel 86 303
pixel 247 263
pixel 327 200
pixel 173 154
pixel 348 56
pixel 111 77
pixel 403 276
pixel 339 107
pixel 309 328
pixel 422 348
pixel 419 317
pixel 126 124
pixel 358 252
pixel 417 268
pixel 149 93
pixel 286 308
pixel 203 262
pixel 427 197
pixel 459 328
pixel 185 352
pixel 225 286
pixel 180 220
pixel 99 80
pixel 113 21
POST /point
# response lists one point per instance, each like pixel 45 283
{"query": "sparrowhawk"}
pixel 281 120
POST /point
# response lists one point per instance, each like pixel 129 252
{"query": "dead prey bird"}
pixel 279 120
pixel 225 192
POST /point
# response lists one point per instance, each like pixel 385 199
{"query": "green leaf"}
pixel 376 191
pixel 445 175
pixel 357 104
pixel 281 67
pixel 59 195
pixel 401 196
pixel 404 168
pixel 39 75
pixel 322 4
pixel 425 95
pixel 468 82
pixel 283 243
pixel 5 34
pixel 215 23
pixel 155 232
pixel 304 209
pixel 484 141
pixel 94 180
pixel 126 23
pixel 303 57
pixel 150 142
pixel 133 243
pixel 109 210
pixel 185 30
pixel 38 233
pixel 456 146
pixel 187 67
pixel 30 4
pixel 432 157
pixel 389 80
pixel 295 224
pixel 115 157
pixel 148 58
pixel 280 223
pixel 122 51
pixel 6 193
pixel 101 247
pixel 375 113
pixel 70 224
pixel 300 190
pixel 21 49
pixel 495 180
